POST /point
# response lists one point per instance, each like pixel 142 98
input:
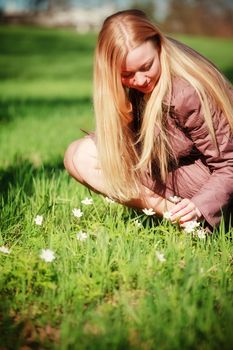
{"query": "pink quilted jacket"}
pixel 204 174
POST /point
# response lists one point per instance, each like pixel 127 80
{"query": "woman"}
pixel 164 121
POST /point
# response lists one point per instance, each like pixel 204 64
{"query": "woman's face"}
pixel 141 69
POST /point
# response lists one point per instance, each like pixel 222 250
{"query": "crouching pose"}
pixel 164 122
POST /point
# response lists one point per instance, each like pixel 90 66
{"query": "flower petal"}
pixel 148 212
pixel 47 255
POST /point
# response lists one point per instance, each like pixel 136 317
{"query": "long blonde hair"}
pixel 120 159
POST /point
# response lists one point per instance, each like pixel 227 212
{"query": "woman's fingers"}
pixel 185 211
pixel 181 209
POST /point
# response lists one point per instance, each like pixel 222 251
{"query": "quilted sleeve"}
pixel 215 195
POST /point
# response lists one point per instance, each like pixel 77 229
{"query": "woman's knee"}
pixel 69 160
pixel 79 158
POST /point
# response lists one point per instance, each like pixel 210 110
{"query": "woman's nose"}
pixel 140 79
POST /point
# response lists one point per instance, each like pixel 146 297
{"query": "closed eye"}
pixel 127 74
pixel 146 67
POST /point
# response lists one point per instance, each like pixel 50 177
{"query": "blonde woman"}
pixel 164 121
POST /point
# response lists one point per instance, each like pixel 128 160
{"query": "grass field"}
pixel 122 285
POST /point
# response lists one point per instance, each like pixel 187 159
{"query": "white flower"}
pixel 175 199
pixel 160 256
pixel 38 220
pixel 137 223
pixel 4 250
pixel 81 236
pixel 148 211
pixel 190 226
pixel 109 200
pixel 201 233
pixel 77 212
pixel 87 201
pixel 167 215
pixel 47 255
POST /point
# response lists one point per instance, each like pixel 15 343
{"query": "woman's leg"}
pixel 81 161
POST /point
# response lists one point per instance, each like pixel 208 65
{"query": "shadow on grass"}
pixel 19 333
pixel 13 108
pixel 22 173
pixel 41 41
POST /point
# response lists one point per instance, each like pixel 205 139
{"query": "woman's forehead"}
pixel 139 56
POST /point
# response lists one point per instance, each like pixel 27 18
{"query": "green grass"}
pixel 109 291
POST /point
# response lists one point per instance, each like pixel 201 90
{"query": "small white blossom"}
pixel 81 236
pixel 175 199
pixel 4 250
pixel 109 200
pixel 137 223
pixel 87 201
pixel 167 215
pixel 201 233
pixel 47 255
pixel 38 220
pixel 148 211
pixel 77 212
pixel 190 226
pixel 160 256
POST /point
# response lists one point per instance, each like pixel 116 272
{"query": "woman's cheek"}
pixel 125 82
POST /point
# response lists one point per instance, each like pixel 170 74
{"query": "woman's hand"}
pixel 185 211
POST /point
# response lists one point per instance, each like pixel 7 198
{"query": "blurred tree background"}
pixel 49 5
pixel 199 17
